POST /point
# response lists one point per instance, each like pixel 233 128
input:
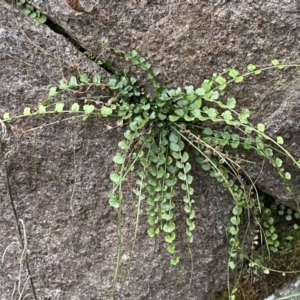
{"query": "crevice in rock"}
pixel 60 30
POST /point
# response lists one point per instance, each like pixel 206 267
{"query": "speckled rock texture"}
pixel 59 174
pixel 189 40
pixel 59 179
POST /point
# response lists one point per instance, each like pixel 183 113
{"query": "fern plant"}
pixel 166 131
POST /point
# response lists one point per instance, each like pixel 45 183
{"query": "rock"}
pixel 59 174
pixel 59 178
pixel 189 40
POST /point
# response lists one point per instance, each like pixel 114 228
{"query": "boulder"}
pixel 190 40
pixel 58 175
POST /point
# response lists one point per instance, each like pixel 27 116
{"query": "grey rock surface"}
pixel 189 40
pixel 59 178
pixel 59 174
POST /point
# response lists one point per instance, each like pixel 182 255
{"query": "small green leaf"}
pixel 188 118
pixel 174 147
pixel 222 87
pixel 113 201
pixel 231 103
pixel 187 167
pixel 233 230
pixel 220 80
pixel 119 159
pixel 275 62
pixel 189 89
pixel 175 260
pixel 239 79
pixel 171 248
pixel 272 229
pixel 187 208
pixel 88 108
pixel 261 127
pixel 192 214
pixel 173 138
pixel 134 53
pixel 145 66
pixel 214 96
pixel 251 67
pixel 26 111
pixel 73 81
pixel 42 19
pixel 123 145
pixel 173 118
pixel 59 106
pixel 278 162
pixel 200 92
pixel 279 140
pixel 63 85
pixel 75 107
pixel 233 73
pixel 6 116
pixel 26 11
pixel 167 216
pixel 274 236
pixel 106 111
pixel 227 115
pixel 211 112
pixel 46 102
pixel 41 109
pixel 155 72
pixel 266 271
pixel 179 165
pixel 184 157
pixel 288 217
pixel 245 114
pixel 169 227
pixel 237 210
pixel 180 112
pixel 207 131
pixel 84 78
pixel 189 179
pixel 182 176
pixel 192 226
pixel 151 232
pixel 205 166
pixel 97 79
pixel 33 15
pixel 115 177
pixel 170 237
pixel 52 91
pixel 269 152
pixel 231 265
pixel 287 175
pixel 235 220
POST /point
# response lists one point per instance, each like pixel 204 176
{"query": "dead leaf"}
pixel 75 4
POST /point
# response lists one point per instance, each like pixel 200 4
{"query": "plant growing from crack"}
pixel 32 12
pixel 165 132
